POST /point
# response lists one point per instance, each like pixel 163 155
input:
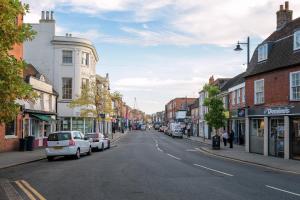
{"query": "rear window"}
pixel 59 136
pixel 92 135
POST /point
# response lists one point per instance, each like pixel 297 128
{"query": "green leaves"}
pixel 12 33
pixel 215 116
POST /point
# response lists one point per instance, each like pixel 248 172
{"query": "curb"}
pixel 249 162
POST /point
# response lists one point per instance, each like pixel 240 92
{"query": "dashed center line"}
pixel 213 170
pixel 173 156
pixel 281 190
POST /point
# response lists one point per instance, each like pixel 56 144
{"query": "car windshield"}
pixel 59 136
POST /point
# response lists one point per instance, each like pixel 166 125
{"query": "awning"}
pixel 46 118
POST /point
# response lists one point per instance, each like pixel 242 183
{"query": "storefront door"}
pixel 295 139
pixel 257 136
pixel 276 137
pixel 241 132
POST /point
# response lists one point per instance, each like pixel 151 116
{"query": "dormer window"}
pixel 262 52
pixel 297 40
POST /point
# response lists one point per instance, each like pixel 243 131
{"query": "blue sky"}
pixel 156 50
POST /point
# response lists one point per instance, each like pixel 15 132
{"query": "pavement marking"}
pixel 31 193
pixel 191 150
pixel 10 191
pixel 213 170
pixel 281 190
pixel 173 156
pixel 159 149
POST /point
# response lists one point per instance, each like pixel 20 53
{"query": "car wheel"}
pixel 77 155
pixel 90 151
pixel 108 144
pixel 50 158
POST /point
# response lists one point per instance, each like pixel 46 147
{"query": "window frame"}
pixel 15 130
pixel 263 48
pixel 243 90
pixel 62 57
pixel 296 35
pixel 238 96
pixel 85 58
pixel 291 88
pixel 63 89
pixel 233 97
pixel 255 92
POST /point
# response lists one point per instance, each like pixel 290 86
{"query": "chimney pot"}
pixel 47 15
pixel 286 5
pixel 51 16
pixel 281 7
pixel 43 15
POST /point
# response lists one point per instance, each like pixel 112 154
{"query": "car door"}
pixel 85 143
pixel 77 139
pixel 105 142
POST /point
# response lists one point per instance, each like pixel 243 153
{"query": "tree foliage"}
pixel 215 116
pixel 117 99
pixel 12 85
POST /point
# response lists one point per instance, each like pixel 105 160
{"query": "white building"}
pixel 203 126
pixel 68 63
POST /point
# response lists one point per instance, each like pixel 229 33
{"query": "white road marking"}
pixel 274 188
pixel 191 150
pixel 213 170
pixel 159 149
pixel 173 156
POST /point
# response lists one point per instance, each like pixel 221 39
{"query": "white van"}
pixel 176 130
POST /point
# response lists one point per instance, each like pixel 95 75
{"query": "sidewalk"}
pixel 238 153
pixel 9 159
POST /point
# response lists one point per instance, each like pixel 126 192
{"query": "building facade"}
pixel 272 97
pixel 68 63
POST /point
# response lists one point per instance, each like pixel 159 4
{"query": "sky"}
pixel 156 50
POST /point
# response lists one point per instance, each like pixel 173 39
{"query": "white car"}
pixel 98 141
pixel 67 143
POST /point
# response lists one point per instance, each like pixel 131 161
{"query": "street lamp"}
pixel 238 48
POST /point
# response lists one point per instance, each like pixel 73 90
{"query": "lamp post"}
pixel 238 48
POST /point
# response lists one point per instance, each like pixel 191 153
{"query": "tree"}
pixel 12 85
pixel 215 116
pixel 116 97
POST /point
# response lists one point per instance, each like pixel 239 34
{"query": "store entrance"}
pixel 295 139
pixel 276 137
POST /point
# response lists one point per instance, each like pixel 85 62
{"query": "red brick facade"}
pixel 176 104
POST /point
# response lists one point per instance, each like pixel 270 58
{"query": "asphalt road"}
pixel 151 165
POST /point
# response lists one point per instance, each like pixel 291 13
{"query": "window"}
pixel 233 97
pixel 238 96
pixel 67 88
pixel 259 91
pixel 85 59
pixel 84 83
pixel 10 128
pixel 262 52
pixel 257 136
pixel 67 57
pixel 295 86
pixel 297 40
pixel 78 124
pixel 243 95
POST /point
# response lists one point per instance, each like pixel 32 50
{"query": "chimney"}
pixel 47 15
pixel 284 15
pixel 211 80
pixel 51 15
pixel 43 15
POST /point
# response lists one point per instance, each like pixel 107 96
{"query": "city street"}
pixel 150 165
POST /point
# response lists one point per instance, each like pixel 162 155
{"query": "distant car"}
pixel 143 127
pixel 98 141
pixel 163 128
pixel 67 143
pixel 156 126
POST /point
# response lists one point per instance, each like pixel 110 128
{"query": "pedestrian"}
pixel 231 137
pixel 225 138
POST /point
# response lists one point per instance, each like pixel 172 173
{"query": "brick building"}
pixel 11 132
pixel 175 105
pixel 273 91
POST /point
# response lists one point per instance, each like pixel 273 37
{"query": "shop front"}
pixel 275 131
pixel 83 124
pixel 237 125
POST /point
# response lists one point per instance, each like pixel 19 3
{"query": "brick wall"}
pixel 177 104
pixel 276 87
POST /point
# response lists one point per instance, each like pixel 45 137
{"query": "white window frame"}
pixel 238 96
pixel 255 91
pixel 262 52
pixel 85 58
pixel 62 57
pixel 243 94
pixel 233 97
pixel 296 35
pixel 291 83
pixel 62 86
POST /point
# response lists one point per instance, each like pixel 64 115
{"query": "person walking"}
pixel 231 138
pixel 225 138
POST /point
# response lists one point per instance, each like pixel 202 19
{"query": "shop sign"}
pixel 277 111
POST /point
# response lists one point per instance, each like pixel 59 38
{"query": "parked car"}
pixel 176 130
pixel 143 127
pixel 163 129
pixel 156 126
pixel 67 143
pixel 98 141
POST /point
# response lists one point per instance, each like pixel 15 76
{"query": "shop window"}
pixel 66 124
pixel 259 91
pixel 257 136
pixel 78 124
pixel 295 86
pixel 276 137
pixel 10 128
pixel 89 125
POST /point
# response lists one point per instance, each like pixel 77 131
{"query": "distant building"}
pixel 176 105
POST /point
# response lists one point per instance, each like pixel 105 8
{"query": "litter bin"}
pixel 22 146
pixel 30 143
pixel 216 142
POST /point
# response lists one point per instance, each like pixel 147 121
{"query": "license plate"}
pixel 58 148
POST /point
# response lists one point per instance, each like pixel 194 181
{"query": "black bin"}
pixel 30 143
pixel 22 144
pixel 216 142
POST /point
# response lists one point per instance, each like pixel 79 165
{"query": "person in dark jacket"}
pixel 231 138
